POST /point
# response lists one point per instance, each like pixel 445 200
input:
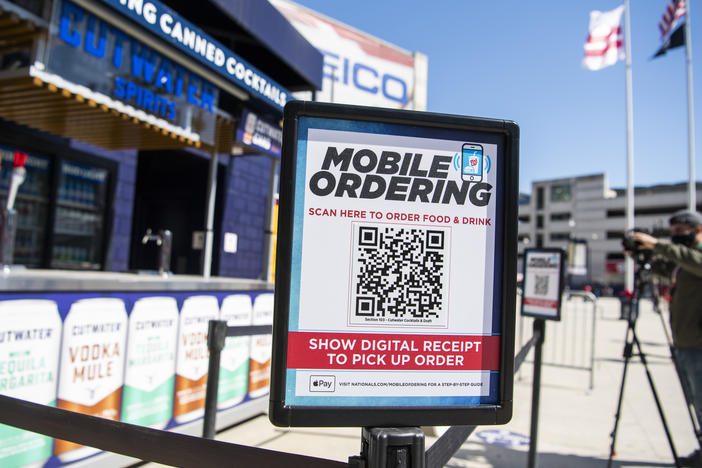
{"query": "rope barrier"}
pixel 186 451
pixel 147 444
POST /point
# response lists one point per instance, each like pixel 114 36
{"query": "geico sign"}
pixel 364 77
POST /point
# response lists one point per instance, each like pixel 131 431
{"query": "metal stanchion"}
pixel 7 241
pixel 539 328
pixel 216 336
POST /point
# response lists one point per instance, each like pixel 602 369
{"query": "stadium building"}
pixel 584 209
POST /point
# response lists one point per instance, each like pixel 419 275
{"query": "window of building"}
pixel 559 236
pixel 539 240
pixel 524 219
pixel 32 205
pixel 658 210
pixel 615 256
pixel 62 208
pixel 561 193
pixel 560 216
pixel 652 211
pixel 540 221
pixel 615 234
pixel 540 198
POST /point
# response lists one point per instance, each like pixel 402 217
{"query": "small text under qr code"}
pixel 399 275
pixel 541 285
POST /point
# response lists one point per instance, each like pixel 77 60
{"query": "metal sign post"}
pixel 541 299
pixel 396 269
pixel 539 329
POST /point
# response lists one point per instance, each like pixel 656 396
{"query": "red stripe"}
pixel 591 38
pixel 673 12
pixel 369 45
pixel 374 47
pixel 541 302
pixel 322 351
pixel 601 52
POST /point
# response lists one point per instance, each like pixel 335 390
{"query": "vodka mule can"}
pixel 92 365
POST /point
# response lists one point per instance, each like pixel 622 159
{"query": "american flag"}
pixel 604 45
pixel 675 10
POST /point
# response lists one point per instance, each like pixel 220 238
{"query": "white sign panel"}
pixel 577 258
pixel 359 68
pixel 543 273
pixel 231 242
pixel 394 266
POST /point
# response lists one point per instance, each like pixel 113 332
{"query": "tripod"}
pixel 640 280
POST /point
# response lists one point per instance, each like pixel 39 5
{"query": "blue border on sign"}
pixel 298 221
pixel 304 125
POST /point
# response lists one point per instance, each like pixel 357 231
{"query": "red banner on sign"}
pixel 311 350
pixel 541 302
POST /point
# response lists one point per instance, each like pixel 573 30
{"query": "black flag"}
pixel 674 40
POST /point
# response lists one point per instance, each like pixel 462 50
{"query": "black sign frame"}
pixel 285 415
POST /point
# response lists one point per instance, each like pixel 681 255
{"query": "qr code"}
pixel 399 275
pixel 541 285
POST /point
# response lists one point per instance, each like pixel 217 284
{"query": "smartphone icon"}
pixel 472 163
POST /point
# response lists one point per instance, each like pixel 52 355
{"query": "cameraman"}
pixel 685 252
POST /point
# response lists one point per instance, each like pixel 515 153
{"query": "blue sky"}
pixel 519 60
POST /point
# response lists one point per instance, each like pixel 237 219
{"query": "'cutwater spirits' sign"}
pixel 88 51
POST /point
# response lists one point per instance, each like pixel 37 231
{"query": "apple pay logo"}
pixel 322 383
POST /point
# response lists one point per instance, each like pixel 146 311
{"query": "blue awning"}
pixel 267 25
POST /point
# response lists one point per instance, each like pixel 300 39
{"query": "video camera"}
pixel 631 246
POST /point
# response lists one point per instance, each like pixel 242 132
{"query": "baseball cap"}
pixel 691 218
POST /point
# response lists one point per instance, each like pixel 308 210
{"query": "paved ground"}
pixel 575 423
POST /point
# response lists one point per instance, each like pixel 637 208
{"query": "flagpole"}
pixel 691 189
pixel 629 145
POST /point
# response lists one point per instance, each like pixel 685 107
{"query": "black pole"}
pixel 216 335
pixel 539 328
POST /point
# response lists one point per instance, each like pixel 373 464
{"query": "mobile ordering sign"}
pixel 543 283
pixel 396 268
